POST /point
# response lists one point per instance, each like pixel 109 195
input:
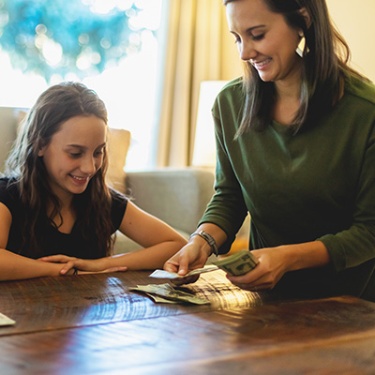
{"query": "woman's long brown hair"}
pixel 324 68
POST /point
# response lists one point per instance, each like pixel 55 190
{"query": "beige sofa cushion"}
pixel 117 146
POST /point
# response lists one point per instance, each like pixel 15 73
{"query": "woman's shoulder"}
pixel 232 93
pixel 360 88
pixel 233 86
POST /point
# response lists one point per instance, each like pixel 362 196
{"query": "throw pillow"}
pixel 117 148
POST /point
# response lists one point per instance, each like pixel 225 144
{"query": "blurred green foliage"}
pixel 65 36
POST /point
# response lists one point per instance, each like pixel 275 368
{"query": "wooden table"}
pixel 93 324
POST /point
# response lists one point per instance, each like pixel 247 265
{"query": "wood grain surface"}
pixel 93 324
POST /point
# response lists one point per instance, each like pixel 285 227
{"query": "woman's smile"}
pixel 261 64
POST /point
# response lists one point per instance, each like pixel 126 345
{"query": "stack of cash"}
pixel 166 293
pixel 237 264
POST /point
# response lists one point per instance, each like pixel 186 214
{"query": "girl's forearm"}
pixel 145 259
pixel 17 267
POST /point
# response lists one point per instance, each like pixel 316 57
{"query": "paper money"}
pixel 5 321
pixel 158 299
pixel 168 292
pixel 161 274
pixel 237 264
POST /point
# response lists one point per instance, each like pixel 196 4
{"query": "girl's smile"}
pixel 74 155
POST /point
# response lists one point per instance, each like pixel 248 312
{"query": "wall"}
pixel 355 21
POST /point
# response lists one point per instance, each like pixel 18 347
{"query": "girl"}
pixel 54 199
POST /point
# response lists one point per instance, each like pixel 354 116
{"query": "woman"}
pixel 54 199
pixel 296 149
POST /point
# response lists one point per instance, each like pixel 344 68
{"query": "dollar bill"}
pixel 158 299
pixel 168 292
pixel 237 264
pixel 162 274
pixel 6 321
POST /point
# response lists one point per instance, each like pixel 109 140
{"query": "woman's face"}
pixel 264 39
pixel 74 155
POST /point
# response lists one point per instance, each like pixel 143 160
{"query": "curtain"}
pixel 196 49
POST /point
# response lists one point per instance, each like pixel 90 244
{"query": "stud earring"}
pixel 302 50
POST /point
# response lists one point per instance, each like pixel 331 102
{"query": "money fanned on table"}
pixel 158 299
pixel 168 292
pixel 161 274
pixel 237 264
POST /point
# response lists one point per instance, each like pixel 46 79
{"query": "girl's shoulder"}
pixel 116 196
pixel 8 185
pixel 119 201
pixel 9 192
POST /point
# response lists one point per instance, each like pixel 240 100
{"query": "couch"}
pixel 176 195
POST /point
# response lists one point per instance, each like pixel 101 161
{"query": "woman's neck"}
pixel 287 101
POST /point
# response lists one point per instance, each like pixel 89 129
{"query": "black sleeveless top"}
pixel 53 241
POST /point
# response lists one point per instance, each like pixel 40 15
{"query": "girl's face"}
pixel 264 39
pixel 74 155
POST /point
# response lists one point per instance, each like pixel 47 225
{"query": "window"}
pixel 112 46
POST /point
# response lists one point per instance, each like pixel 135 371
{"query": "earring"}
pixel 302 50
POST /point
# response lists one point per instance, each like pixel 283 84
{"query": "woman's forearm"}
pixel 308 255
pixel 286 258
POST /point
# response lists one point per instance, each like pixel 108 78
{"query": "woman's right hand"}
pixel 190 257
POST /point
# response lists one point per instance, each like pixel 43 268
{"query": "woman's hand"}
pixel 273 263
pixel 190 257
pixel 73 265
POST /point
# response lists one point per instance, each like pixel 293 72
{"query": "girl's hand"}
pixel 74 265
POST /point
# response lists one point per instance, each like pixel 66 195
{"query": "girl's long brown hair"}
pixel 55 106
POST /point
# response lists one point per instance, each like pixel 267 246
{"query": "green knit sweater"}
pixel 316 185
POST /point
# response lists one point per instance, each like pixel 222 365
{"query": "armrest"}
pixel 177 196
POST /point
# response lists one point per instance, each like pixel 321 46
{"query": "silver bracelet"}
pixel 209 239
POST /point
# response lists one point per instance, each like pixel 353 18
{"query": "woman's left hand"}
pixel 270 269
pixel 84 266
pixel 274 262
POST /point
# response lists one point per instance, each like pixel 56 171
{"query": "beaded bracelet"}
pixel 209 239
